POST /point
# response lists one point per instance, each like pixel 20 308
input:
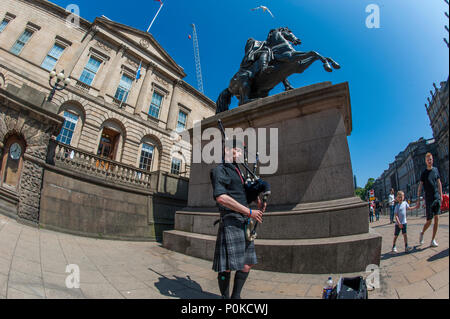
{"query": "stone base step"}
pixel 345 254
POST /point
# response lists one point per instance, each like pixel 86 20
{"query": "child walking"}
pixel 400 220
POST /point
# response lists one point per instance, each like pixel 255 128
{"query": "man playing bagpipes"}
pixel 234 251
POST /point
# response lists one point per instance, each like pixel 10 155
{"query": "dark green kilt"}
pixel 233 251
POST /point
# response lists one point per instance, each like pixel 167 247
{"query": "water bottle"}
pixel 327 289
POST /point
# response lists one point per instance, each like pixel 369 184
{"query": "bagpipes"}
pixel 254 185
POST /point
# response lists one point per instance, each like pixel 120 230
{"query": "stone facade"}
pixel 404 173
pixel 120 50
pixel 93 132
pixel 438 113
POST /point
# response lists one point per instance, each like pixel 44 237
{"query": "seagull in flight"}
pixel 264 8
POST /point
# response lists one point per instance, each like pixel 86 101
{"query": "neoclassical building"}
pixel 438 113
pixel 112 125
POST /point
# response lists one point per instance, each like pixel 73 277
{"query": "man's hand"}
pixel 256 215
pixel 262 205
pixel 400 225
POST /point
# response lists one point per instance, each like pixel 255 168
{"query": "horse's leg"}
pixel 334 64
pixel 244 92
pixel 314 55
pixel 287 85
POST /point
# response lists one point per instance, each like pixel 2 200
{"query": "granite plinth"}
pixel 314 222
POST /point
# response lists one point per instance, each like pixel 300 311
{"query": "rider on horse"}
pixel 267 63
pixel 257 52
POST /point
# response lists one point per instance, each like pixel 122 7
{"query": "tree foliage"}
pixel 363 192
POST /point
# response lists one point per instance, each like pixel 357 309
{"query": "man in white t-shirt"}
pixel 391 205
pixel 400 220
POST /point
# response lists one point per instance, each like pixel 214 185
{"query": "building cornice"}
pixel 187 87
pixel 57 11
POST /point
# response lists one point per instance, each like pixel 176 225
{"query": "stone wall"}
pixel 24 114
pixel 84 205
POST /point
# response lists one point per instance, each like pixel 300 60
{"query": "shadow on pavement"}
pixel 440 255
pixel 183 288
pixel 390 254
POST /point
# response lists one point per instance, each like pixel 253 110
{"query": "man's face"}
pixel 429 161
pixel 235 153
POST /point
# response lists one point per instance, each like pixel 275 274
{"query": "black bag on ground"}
pixel 350 288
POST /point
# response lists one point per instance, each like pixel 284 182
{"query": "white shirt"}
pixel 391 199
pixel 400 210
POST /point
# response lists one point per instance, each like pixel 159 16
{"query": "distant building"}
pixel 437 109
pixel 404 173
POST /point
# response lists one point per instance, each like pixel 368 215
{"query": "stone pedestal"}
pixel 314 223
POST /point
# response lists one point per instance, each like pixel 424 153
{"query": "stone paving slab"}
pixel 33 265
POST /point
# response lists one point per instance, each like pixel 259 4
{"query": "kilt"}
pixel 232 250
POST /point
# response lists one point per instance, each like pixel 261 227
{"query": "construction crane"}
pixel 198 68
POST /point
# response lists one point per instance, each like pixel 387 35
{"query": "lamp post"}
pixel 60 84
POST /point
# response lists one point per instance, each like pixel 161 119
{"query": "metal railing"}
pixel 421 212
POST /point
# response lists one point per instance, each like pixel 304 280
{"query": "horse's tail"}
pixel 223 101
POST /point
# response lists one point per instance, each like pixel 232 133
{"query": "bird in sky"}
pixel 264 8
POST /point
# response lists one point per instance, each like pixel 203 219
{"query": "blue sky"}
pixel 390 70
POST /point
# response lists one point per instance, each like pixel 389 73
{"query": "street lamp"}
pixel 60 84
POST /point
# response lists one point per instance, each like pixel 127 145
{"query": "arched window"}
pixel 146 159
pixel 178 164
pixel 12 162
pixel 149 151
pixel 73 124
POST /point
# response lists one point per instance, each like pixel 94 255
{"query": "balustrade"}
pixel 100 167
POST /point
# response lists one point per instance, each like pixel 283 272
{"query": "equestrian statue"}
pixel 267 63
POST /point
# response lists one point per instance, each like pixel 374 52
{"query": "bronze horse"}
pixel 249 83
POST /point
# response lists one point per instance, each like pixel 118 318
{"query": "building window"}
pixel 145 162
pixel 181 124
pixel 65 136
pixel 124 88
pixel 3 25
pixel 52 57
pixel 176 166
pixel 20 43
pixel 90 70
pixel 155 105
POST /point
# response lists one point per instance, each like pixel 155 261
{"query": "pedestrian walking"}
pixel 391 205
pixel 430 181
pixel 400 221
pixel 371 212
pixel 378 207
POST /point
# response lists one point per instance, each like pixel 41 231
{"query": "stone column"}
pixel 113 67
pixel 173 109
pixel 144 89
pixel 87 39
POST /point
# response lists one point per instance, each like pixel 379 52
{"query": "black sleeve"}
pixel 436 171
pixel 220 181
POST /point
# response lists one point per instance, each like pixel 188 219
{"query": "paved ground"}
pixel 33 264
